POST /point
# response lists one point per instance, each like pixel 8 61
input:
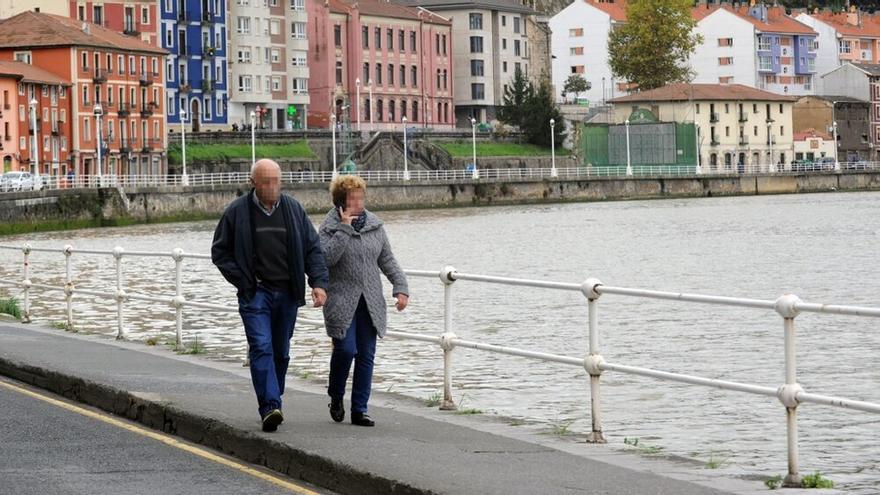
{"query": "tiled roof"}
pixel 615 9
pixel 811 133
pixel 867 25
pixel 29 73
pixel 870 69
pixel 35 29
pixel 499 5
pixel 777 21
pixel 703 92
pixel 381 8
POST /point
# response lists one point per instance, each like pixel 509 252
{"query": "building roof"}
pixel 870 69
pixel 500 5
pixel 34 29
pixel 28 73
pixel 811 133
pixel 850 23
pixel 777 20
pixel 380 8
pixel 703 92
pixel 615 9
pixel 839 99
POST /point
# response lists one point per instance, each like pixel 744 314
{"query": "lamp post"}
pixel 772 166
pixel 699 169
pixel 253 138
pixel 834 136
pixel 553 172
pixel 357 84
pixel 98 113
pixel 370 82
pixel 476 173
pixel 36 156
pixel 333 127
pixel 405 152
pixel 629 170
pixel 184 178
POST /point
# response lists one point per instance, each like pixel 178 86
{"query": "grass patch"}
pixel 773 483
pixel 434 400
pixel 152 341
pixel 196 348
pixel 225 152
pixel 715 462
pixel 305 375
pixel 465 149
pixel 62 325
pixel 9 306
pixel 561 428
pixel 816 480
pixel 643 448
pixel 468 411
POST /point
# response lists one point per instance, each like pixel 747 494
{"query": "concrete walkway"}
pixel 213 404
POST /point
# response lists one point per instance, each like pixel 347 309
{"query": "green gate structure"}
pixel 654 147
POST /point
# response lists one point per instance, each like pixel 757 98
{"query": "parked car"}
pixel 17 181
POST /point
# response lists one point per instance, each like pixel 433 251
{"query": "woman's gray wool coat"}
pixel 355 260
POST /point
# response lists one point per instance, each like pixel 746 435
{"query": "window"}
pixel 725 41
pixel 844 46
pixel 476 21
pixel 504 67
pixel 377 38
pixel 575 69
pixel 477 68
pixel 244 54
pixel 403 109
pixel 438 44
pixel 477 89
pixel 276 84
pixel 725 61
pixel 504 43
pixel 338 72
pixel 782 130
pixel 244 25
pixel 415 111
pixel 337 36
pixel 576 33
pixel 367 71
pixel 298 30
pixel 365 37
pixel 402 75
pixel 85 61
pixel 132 68
pixel 516 21
pixel 412 41
pixel 765 63
pixel 443 44
pixel 391 111
pixel 219 103
pixel 244 84
pixel 781 109
pixel 81 13
pixel 389 36
pixel 391 74
pixel 85 94
pixel 297 5
pixel 445 80
pixel 576 50
pixel 413 76
pixel 120 64
pixel 516 48
pixel 379 112
pixel 764 43
pixel 274 27
pixel 401 40
pixel 296 61
pixel 145 15
pixel 207 106
pixel 476 44
pixel 87 134
pixel 379 74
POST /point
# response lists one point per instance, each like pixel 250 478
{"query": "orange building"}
pixel 20 84
pixel 114 79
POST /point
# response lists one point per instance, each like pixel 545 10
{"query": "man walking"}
pixel 264 245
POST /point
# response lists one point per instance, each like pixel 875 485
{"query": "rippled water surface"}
pixel 819 246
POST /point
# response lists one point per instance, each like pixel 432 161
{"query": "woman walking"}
pixel 357 252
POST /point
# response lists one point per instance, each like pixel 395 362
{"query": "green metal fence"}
pixel 652 146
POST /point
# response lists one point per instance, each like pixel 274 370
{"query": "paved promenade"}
pixel 413 449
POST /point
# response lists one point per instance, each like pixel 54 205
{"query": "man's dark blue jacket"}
pixel 233 248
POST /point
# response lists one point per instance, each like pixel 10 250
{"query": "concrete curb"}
pixel 209 432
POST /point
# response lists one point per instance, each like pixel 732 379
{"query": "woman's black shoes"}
pixel 337 411
pixel 361 419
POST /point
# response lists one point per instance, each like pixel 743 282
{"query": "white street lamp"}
pixel 699 168
pixel 834 136
pixel 553 172
pixel 629 170
pixel 333 126
pixel 98 113
pixel 36 156
pixel 371 104
pixel 476 173
pixel 772 167
pixel 405 153
pixel 184 178
pixel 253 138
pixel 357 83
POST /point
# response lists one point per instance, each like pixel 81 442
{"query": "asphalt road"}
pixel 52 448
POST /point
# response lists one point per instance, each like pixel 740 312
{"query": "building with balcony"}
pixel 738 127
pixel 859 82
pixel 111 75
pixel 195 36
pixel 390 52
pixel 269 75
pixel 23 145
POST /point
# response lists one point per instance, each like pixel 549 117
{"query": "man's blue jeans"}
pixel 359 344
pixel 268 319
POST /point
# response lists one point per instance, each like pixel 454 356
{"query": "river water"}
pixel 818 246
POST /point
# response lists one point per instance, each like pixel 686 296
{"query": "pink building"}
pixel 399 53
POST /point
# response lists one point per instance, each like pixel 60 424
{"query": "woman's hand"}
pixel 346 218
pixel 402 301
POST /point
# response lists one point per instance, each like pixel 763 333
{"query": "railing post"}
pixel 26 317
pixel 120 294
pixel 447 339
pixel 594 361
pixel 68 284
pixel 178 300
pixel 786 306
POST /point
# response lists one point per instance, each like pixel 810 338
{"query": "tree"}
pixel 652 49
pixel 575 84
pixel 516 96
pixel 540 109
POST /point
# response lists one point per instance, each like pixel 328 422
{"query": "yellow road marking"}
pixel 166 439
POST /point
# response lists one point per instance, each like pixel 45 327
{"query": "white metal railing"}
pixel 787 306
pixel 53 182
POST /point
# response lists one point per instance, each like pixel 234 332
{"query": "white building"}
pixel 727 54
pixel 580 46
